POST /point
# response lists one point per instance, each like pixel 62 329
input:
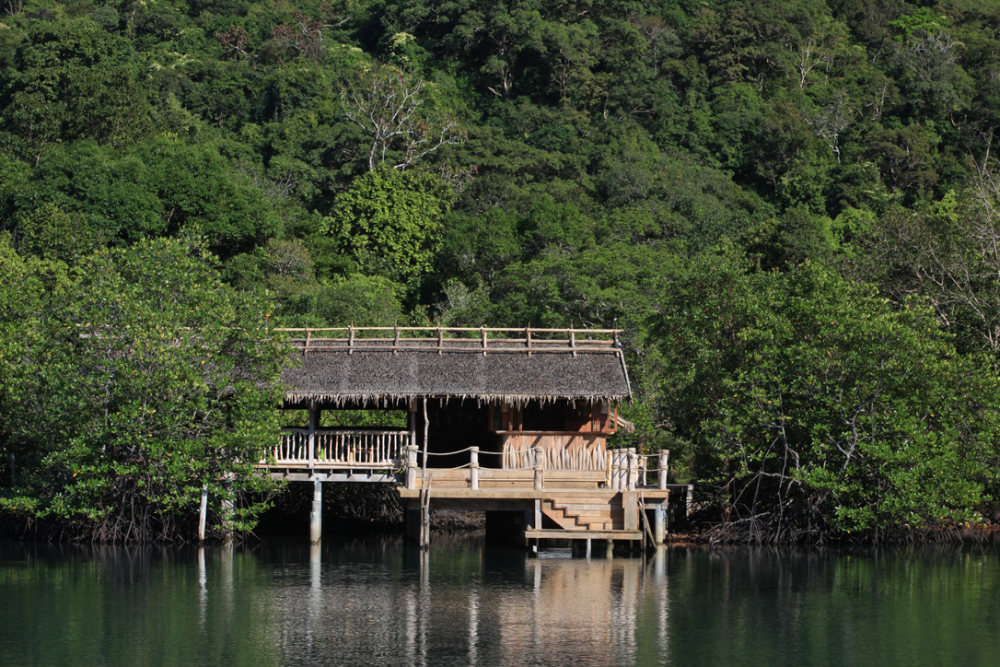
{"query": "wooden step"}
pixel 559 534
pixel 592 517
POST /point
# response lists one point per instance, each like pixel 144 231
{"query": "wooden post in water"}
pixel 664 467
pixel 316 515
pixel 659 525
pixel 313 423
pixel 425 515
pixel 203 516
pixel 474 468
pixel 425 488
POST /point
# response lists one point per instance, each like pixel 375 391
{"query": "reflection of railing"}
pixel 346 448
pixel 561 450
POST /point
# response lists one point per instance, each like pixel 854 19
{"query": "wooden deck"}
pixel 606 502
pixel 560 504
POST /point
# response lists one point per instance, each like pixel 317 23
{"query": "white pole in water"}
pixel 316 515
pixel 203 516
pixel 659 525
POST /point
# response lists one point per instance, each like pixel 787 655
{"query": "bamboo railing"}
pixel 482 340
pixel 358 448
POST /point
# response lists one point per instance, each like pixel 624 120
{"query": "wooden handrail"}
pixel 453 329
pixel 359 448
pixel 455 339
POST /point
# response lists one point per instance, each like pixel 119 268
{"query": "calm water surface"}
pixel 378 601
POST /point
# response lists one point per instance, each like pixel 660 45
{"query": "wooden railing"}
pixel 628 470
pixel 481 340
pixel 624 470
pixel 344 448
pixel 561 450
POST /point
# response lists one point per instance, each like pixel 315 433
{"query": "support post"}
pixel 588 548
pixel 690 501
pixel 313 423
pixel 630 510
pixel 203 515
pixel 539 470
pixel 474 468
pixel 411 466
pixel 664 468
pixel 426 429
pixel 316 515
pixel 425 517
pixel 659 525
pixel 425 483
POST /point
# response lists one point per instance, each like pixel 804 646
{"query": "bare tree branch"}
pixel 386 104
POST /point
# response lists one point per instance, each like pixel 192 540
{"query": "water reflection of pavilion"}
pixel 374 601
pixel 584 608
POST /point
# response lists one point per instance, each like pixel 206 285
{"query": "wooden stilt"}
pixel 316 515
pixel 203 516
pixel 425 491
pixel 425 515
pixel 659 526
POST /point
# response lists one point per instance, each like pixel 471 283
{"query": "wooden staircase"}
pixel 586 514
pixel 572 514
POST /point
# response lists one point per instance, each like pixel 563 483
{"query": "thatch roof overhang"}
pixel 390 377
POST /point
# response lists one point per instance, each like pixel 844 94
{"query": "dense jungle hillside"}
pixel 791 208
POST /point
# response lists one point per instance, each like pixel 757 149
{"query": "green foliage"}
pixel 359 300
pixel 389 221
pixel 71 80
pixel 815 405
pixel 148 379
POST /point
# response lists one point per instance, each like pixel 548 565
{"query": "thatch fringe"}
pixel 388 400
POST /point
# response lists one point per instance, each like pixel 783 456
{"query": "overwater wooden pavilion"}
pixel 514 422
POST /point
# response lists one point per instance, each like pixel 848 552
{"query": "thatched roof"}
pixel 369 376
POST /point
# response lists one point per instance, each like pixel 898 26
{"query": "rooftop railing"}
pixel 481 340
